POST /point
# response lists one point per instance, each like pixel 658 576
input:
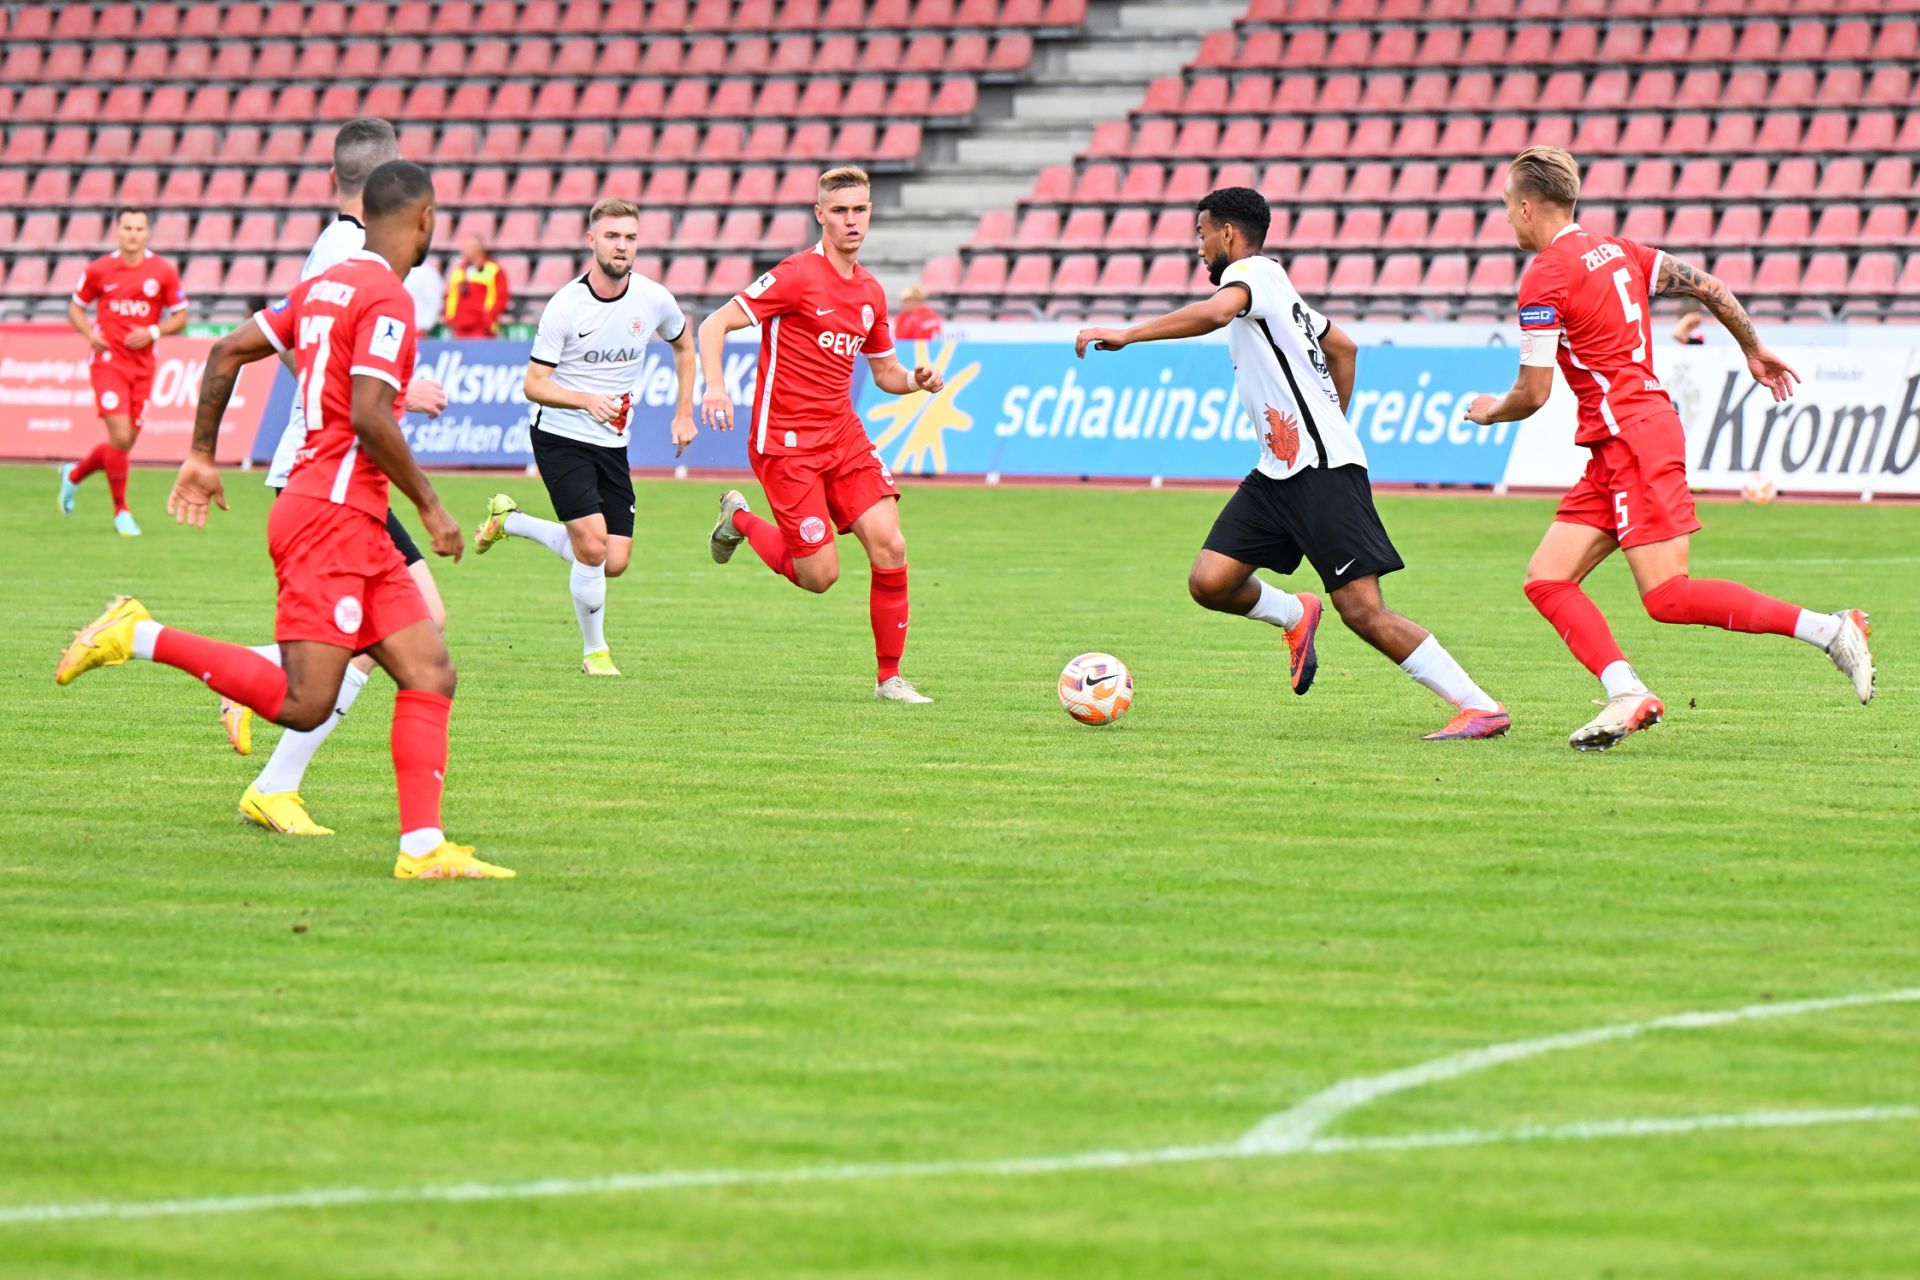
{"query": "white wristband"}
pixel 154 329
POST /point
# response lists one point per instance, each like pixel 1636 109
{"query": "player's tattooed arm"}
pixel 1679 279
pixel 1684 280
pixel 230 354
pixel 1190 321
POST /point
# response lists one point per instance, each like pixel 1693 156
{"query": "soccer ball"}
pixel 1759 489
pixel 1096 688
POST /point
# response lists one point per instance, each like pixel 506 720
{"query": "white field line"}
pixel 1295 1131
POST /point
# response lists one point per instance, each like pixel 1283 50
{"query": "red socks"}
pixel 887 604
pixel 767 543
pixel 420 756
pixel 230 670
pixel 1578 620
pixel 110 460
pixel 1715 602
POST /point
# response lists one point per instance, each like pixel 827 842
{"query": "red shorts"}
pixel 812 492
pixel 342 581
pixel 120 387
pixel 1635 486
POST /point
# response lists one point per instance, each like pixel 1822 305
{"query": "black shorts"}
pixel 586 479
pixel 1325 515
pixel 402 540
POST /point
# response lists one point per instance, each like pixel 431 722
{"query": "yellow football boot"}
pixel 237 720
pixel 494 528
pixel 282 812
pixel 107 641
pixel 599 663
pixel 448 861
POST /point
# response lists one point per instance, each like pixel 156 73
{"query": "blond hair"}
pixel 1548 174
pixel 847 175
pixel 612 207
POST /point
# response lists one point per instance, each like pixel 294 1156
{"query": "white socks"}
pixel 1619 679
pixel 145 632
pixel 287 766
pixel 1817 629
pixel 548 533
pixel 271 652
pixel 418 844
pixel 1277 607
pixel 589 584
pixel 1435 668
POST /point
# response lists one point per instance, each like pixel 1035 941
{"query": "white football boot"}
pixel 725 538
pixel 1850 653
pixel 1619 716
pixel 898 689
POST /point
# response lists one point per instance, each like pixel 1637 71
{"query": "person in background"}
pixel 476 292
pixel 917 320
pixel 1686 330
pixel 429 290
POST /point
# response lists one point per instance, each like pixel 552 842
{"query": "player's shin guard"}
pixel 887 606
pixel 115 465
pixel 1578 621
pixel 1715 602
pixel 420 766
pixel 767 543
pixel 230 670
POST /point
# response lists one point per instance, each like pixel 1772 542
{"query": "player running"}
pixel 1584 304
pixel 587 362
pixel 343 586
pixel 1308 497
pixel 273 800
pixel 137 299
pixel 817 311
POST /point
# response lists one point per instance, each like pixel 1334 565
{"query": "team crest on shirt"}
pixel 866 316
pixel 635 327
pixel 347 615
pixel 813 530
pixel 1283 435
pixel 151 288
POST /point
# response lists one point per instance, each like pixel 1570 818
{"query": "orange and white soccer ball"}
pixel 1096 688
pixel 1759 489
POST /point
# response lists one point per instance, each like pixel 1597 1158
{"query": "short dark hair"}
pixel 1244 207
pixel 361 146
pixel 126 209
pixel 393 187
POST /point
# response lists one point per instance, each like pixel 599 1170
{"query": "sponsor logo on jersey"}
pixel 613 355
pixel 1538 315
pixel 389 332
pixel 813 530
pixel 842 344
pixel 151 288
pixel 347 615
pixel 636 326
pixel 760 286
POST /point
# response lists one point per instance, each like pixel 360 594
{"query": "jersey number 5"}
pixel 1623 282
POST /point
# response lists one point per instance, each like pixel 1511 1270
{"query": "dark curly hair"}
pixel 1244 207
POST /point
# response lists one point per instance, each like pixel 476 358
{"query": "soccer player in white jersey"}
pixel 1309 496
pixel 273 799
pixel 589 356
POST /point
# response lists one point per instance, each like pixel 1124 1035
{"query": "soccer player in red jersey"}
pixel 817 311
pixel 343 585
pixel 1584 303
pixel 137 300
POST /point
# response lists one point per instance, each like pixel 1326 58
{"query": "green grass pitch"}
pixel 764 923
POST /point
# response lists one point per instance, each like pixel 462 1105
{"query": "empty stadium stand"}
pixel 715 114
pixel 1774 140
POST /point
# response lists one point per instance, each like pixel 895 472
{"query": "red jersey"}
pixel 813 323
pixel 129 298
pixel 353 320
pixel 922 322
pixel 1584 301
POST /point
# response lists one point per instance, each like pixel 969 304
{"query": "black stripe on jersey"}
pixel 1293 385
pixel 551 364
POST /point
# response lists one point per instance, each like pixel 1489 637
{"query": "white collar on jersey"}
pixel 1566 230
pixel 368 255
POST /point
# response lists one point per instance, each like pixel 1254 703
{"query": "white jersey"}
pixel 599 346
pixel 1282 376
pixel 344 237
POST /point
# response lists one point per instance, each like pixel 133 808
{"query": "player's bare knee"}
pixel 888 553
pixel 814 576
pixel 590 551
pixel 1362 617
pixel 1207 591
pixel 302 712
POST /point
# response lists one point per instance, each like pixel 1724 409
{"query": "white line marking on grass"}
pixel 1295 1131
